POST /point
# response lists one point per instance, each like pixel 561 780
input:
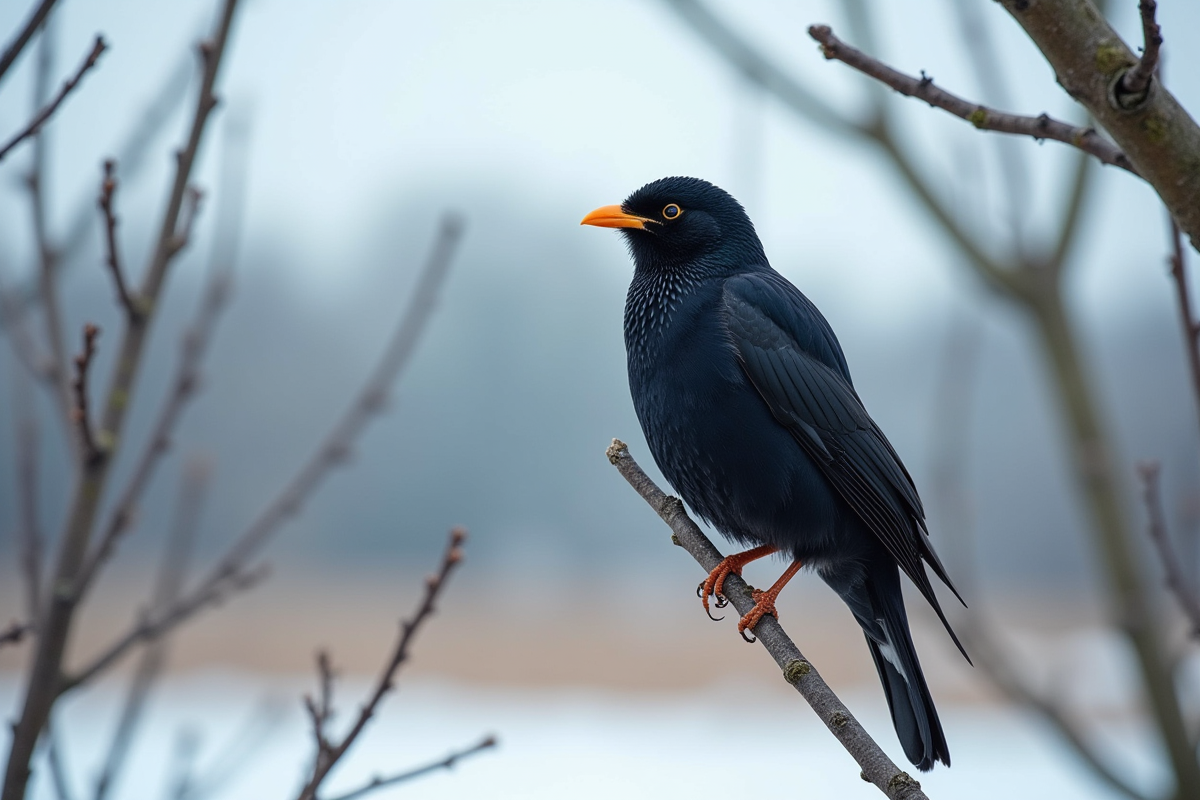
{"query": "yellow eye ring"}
pixel 671 211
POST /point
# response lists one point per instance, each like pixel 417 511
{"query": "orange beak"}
pixel 614 217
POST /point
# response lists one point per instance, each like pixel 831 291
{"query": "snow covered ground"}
pixel 559 744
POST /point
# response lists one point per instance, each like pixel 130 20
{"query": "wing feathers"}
pixel 814 399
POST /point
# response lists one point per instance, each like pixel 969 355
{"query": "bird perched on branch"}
pixel 748 407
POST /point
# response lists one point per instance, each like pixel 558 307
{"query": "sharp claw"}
pixel 750 639
pixel 722 601
pixel 700 590
pixel 710 616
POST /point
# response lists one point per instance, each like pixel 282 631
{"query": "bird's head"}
pixel 675 222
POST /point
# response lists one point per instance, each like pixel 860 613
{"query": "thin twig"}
pixel 1156 528
pixel 988 68
pixel 166 591
pixel 44 115
pixel 59 377
pixel 40 12
pixel 57 761
pixel 1187 318
pixel 21 341
pixel 982 117
pixel 150 627
pixel 28 472
pixel 327 752
pixel 79 413
pixel 14 633
pixel 1134 86
pixel 230 572
pixel 132 156
pixel 877 768
pixel 187 219
pixel 446 763
pixel 320 710
pixel 108 188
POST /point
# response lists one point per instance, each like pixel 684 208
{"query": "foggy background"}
pixel 364 122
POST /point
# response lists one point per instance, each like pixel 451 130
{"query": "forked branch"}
pixel 328 751
pixel 79 412
pixel 108 188
pixel 877 768
pixel 1131 90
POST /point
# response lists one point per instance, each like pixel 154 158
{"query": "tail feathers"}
pixel 879 607
pixel 913 714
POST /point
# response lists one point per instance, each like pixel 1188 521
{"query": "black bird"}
pixel 748 407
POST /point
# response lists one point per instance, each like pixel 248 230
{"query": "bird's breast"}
pixel 710 431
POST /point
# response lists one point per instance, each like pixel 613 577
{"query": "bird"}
pixel 747 404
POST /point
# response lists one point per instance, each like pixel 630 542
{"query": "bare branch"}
pixel 187 219
pixel 108 188
pixel 56 760
pixel 24 348
pixel 79 413
pixel 230 572
pixel 14 633
pixel 446 763
pixel 47 254
pixel 1187 317
pixel 982 117
pixel 152 626
pixel 1132 88
pixel 877 768
pixel 320 710
pixel 29 526
pixel 132 156
pixel 1177 582
pixel 329 753
pixel 44 115
pixel 24 35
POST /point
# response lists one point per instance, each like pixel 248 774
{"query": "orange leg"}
pixel 764 602
pixel 715 581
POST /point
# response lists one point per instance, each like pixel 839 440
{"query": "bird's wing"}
pixel 810 394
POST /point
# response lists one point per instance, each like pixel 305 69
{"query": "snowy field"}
pixel 556 744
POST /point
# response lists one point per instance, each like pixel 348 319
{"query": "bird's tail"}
pixel 913 715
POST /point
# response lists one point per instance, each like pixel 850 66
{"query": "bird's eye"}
pixel 671 211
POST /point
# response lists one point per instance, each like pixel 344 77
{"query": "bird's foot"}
pixel 714 584
pixel 764 602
